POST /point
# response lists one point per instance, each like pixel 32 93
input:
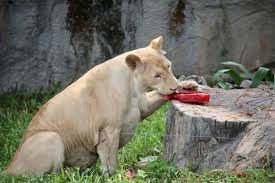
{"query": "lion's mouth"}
pixel 168 93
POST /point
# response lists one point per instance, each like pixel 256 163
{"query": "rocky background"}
pixel 42 41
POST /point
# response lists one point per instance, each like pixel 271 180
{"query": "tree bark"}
pixel 236 130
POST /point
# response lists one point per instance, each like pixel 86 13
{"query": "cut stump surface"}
pixel 236 130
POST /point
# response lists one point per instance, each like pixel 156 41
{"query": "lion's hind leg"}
pixel 41 153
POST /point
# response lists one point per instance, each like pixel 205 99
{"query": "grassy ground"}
pixel 16 111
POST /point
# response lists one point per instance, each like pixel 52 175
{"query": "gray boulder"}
pixel 59 40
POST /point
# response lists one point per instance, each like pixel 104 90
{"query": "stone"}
pixel 199 79
pixel 233 132
pixel 35 47
pixel 59 40
pixel 245 83
pixel 182 78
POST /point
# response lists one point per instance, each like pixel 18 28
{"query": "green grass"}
pixel 17 109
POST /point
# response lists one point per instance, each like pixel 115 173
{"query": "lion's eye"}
pixel 157 76
pixel 168 66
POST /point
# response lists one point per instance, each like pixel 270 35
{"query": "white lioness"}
pixel 96 115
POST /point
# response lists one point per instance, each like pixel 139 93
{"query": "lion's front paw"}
pixel 190 85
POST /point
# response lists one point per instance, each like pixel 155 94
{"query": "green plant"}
pixel 237 73
pixel 17 109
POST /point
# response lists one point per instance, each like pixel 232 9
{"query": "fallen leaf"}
pixel 145 161
pixel 241 174
pixel 130 174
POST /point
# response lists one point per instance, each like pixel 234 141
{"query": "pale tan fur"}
pixel 96 114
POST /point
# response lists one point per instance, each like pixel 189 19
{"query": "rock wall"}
pixel 35 45
pixel 58 40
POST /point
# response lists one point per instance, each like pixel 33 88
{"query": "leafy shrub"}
pixel 237 73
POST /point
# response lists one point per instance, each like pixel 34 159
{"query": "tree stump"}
pixel 234 131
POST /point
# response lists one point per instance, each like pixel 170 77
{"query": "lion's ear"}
pixel 157 43
pixel 133 61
